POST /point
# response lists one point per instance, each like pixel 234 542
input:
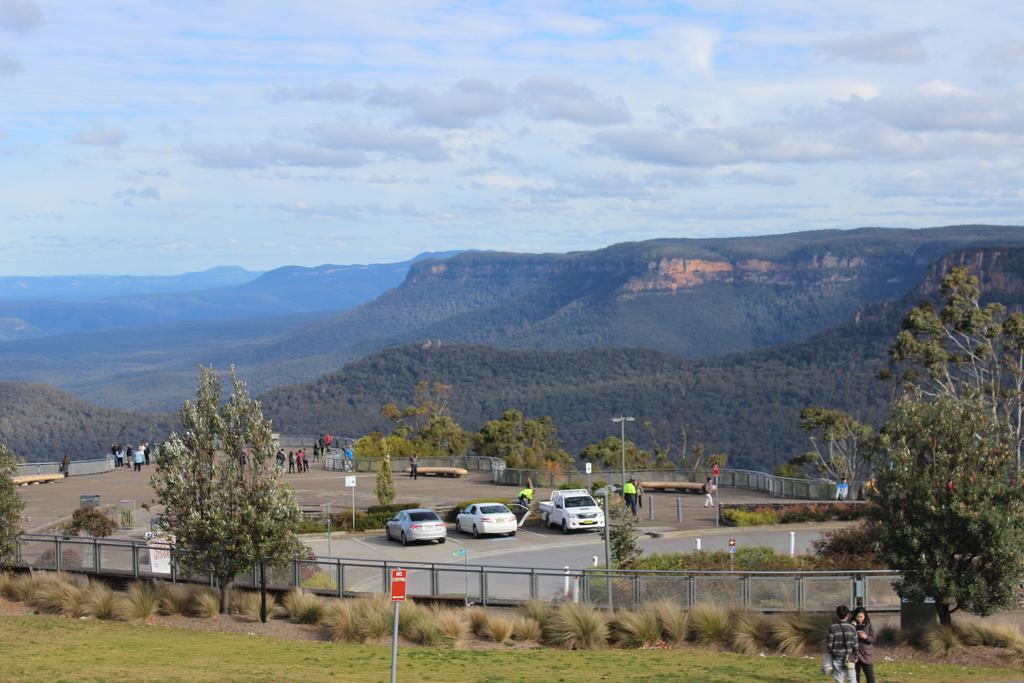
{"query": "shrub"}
pixel 302 606
pixel 451 623
pixel 410 617
pixel 941 640
pixel 205 603
pixel 141 602
pixel 854 545
pixel 498 628
pixel 576 627
pixel 640 628
pixel 427 634
pixel 734 517
pixel 91 521
pixel 5 580
pixel 21 587
pixel 750 633
pixel 527 630
pixel 1014 654
pixel 320 581
pixel 392 509
pixel 887 635
pixel 709 625
pixel 309 526
pixel 373 617
pixel 673 619
pixel 753 558
pixel 478 620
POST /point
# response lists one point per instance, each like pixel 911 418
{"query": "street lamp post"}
pixel 622 420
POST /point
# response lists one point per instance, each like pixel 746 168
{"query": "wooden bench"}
pixel 27 479
pixel 441 471
pixel 684 486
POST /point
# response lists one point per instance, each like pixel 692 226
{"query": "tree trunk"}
pixel 225 596
pixel 945 615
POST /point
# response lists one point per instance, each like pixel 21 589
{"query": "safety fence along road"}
pixel 483 584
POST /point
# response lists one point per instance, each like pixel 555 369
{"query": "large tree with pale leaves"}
pixel 11 506
pixel 223 495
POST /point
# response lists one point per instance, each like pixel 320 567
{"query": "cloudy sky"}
pixel 159 137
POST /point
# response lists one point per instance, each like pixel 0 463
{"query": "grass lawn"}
pixel 40 648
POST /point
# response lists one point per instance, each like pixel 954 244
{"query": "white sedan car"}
pixel 486 518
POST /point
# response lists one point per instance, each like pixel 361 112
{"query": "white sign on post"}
pixel 350 482
pixel 590 468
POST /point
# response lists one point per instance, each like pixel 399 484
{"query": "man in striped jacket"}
pixel 842 647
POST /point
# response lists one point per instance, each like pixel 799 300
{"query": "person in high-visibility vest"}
pixel 629 490
pixel 526 495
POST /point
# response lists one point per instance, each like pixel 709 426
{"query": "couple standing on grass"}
pixel 850 648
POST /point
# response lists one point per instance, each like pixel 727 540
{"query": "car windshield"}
pixel 493 509
pixel 579 502
pixel 423 516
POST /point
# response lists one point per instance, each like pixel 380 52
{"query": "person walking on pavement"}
pixel 629 491
pixel 709 492
pixel 65 466
pixel 526 495
pixel 414 466
pixel 842 647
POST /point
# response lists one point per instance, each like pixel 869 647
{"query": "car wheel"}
pixel 547 521
pixel 476 532
pixel 458 527
pixel 404 540
pixel 387 533
pixel 565 527
pixel 512 533
pixel 441 540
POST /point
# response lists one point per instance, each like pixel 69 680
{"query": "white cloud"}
pixel 20 16
pixel 887 47
pixel 459 106
pixel 268 153
pixel 551 97
pixel 394 143
pixel 9 66
pixel 105 137
pixel 129 195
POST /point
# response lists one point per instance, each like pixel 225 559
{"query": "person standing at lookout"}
pixel 139 457
pixel 843 489
pixel 866 643
pixel 291 462
pixel 414 466
pixel 65 466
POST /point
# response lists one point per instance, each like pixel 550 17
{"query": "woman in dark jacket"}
pixel 866 642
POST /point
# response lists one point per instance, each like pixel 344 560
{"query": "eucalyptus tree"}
pixel 11 506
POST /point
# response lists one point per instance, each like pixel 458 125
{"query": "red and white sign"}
pixel 398 585
pixel 714 470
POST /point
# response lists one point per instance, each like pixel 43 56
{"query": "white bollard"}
pixel 792 544
pixel 698 544
pixel 565 587
pixel 576 589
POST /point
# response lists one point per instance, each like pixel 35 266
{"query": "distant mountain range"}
pixel 745 403
pixel 64 305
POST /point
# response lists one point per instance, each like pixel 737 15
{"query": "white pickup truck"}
pixel 571 510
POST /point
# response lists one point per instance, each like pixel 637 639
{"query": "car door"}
pixel 395 525
pixel 466 518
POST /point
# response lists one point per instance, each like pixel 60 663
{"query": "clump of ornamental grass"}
pixel 427 634
pixel 248 604
pixel 673 619
pixel 1014 655
pixel 101 602
pixel 527 630
pixel 538 610
pixel 373 617
pixel 793 633
pixel 205 603
pixel 576 627
pixel 709 625
pixel 176 599
pixel 60 597
pixel 5 579
pixel 451 623
pixel 302 606
pixel 409 618
pixel 477 617
pixel 339 622
pixel 978 633
pixel 887 636
pixel 499 628
pixel 750 633
pixel 942 640
pixel 141 602
pixel 640 628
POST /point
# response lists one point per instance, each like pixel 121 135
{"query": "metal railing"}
pixel 78 467
pixel 784 487
pixel 339 463
pixel 761 591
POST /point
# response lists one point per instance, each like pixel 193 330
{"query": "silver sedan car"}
pixel 416 525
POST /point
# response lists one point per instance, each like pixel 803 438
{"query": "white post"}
pixel 698 544
pixel 792 543
pixel 576 589
pixel 565 583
